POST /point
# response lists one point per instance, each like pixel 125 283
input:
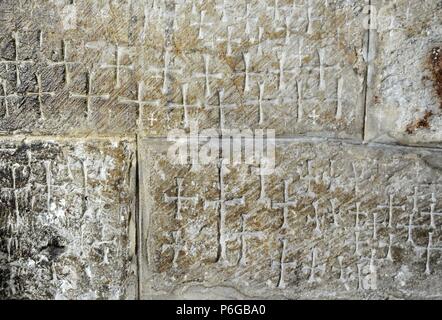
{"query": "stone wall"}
pixel 220 149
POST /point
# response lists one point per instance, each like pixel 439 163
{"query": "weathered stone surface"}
pixel 67 219
pixel 404 98
pixel 293 66
pixel 334 220
pixel 66 60
pixel 115 67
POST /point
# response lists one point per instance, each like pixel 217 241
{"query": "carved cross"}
pixel 179 199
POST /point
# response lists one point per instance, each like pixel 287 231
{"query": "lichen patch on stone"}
pixel 436 68
pixel 423 123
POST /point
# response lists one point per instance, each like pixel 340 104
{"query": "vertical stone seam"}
pixel 138 222
pixel 367 71
pixel 168 31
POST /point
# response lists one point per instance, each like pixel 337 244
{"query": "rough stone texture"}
pixel 154 65
pixel 295 67
pixel 94 87
pixel 67 220
pixel 69 59
pixel 353 222
pixel 404 101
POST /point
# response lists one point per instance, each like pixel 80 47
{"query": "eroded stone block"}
pixel 293 66
pixel 334 220
pixel 64 65
pixel 67 219
pixel 404 97
pixel 121 66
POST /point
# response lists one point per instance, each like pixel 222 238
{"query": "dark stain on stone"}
pixel 436 69
pixel 423 123
pixel 54 248
pixel 435 66
pixel 376 99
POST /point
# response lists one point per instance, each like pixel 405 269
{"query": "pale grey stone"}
pixel 295 67
pixel 335 220
pixel 404 100
pixel 63 66
pixel 67 219
pixel 92 85
pixel 122 66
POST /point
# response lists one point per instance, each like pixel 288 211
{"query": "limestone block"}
pixel 404 97
pixel 293 66
pixel 97 202
pixel 109 67
pixel 334 220
pixel 67 219
pixel 63 66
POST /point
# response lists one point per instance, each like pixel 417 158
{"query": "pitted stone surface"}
pixel 66 220
pixel 335 220
pixel 404 100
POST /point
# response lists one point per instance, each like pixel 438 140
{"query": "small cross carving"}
pixel 89 96
pixel 40 94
